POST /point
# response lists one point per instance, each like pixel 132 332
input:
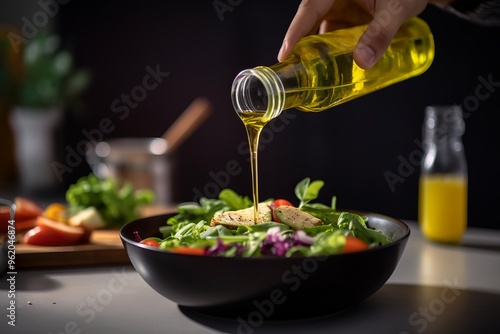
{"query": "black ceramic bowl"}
pixel 273 287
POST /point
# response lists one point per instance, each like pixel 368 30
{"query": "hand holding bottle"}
pixel 321 73
pixel 328 15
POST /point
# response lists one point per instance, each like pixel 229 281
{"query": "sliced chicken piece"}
pixel 244 217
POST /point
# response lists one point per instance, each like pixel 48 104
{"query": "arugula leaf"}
pixel 347 218
pixel 326 214
pixel 334 203
pixel 329 242
pixel 166 231
pixel 254 241
pixel 194 212
pixel 307 191
pixel 169 242
pixel 216 231
pixel 263 227
pixel 314 231
pixel 356 225
pixel 235 201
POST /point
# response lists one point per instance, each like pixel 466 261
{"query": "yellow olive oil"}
pixel 253 126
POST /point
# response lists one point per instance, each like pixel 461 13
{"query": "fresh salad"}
pixel 226 226
pixel 92 204
pixel 114 203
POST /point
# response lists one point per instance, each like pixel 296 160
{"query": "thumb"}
pixel 375 40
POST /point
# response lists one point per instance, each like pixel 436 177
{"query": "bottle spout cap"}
pixel 258 90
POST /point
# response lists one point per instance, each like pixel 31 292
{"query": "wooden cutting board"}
pixel 105 247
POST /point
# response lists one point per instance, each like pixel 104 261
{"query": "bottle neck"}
pixel 258 90
pixel 443 124
pixel 442 133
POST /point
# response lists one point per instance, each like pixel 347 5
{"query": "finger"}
pixel 306 21
pixel 379 34
pixel 374 42
pixel 331 25
pixel 328 25
pixel 344 15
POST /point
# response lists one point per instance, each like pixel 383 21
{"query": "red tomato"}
pixel 53 233
pixel 150 242
pixel 25 214
pixel 276 203
pixel 187 250
pixel 26 208
pixel 353 244
pixel 4 219
pixel 34 237
pixel 23 225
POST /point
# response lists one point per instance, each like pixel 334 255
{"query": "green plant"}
pixel 49 77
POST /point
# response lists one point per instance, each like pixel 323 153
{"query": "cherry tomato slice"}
pixel 25 214
pixel 26 208
pixel 150 242
pixel 353 244
pixel 276 203
pixel 187 250
pixel 21 225
pixel 51 233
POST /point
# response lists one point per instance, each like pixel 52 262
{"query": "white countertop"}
pixel 435 289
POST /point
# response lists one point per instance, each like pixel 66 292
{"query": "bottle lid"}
pixel 447 119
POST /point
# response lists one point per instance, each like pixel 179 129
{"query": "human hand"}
pixel 385 19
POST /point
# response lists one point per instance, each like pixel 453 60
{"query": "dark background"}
pixel 350 147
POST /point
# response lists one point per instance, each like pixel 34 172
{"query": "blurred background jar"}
pixel 443 179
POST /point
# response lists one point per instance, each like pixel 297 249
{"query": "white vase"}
pixel 34 145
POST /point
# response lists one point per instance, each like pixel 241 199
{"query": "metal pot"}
pixel 144 162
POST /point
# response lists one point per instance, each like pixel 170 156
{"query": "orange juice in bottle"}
pixel 443 180
pixel 443 207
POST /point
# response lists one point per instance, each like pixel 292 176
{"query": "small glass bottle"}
pixel 443 179
pixel 321 72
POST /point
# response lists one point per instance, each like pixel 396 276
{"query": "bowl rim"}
pixel 399 222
